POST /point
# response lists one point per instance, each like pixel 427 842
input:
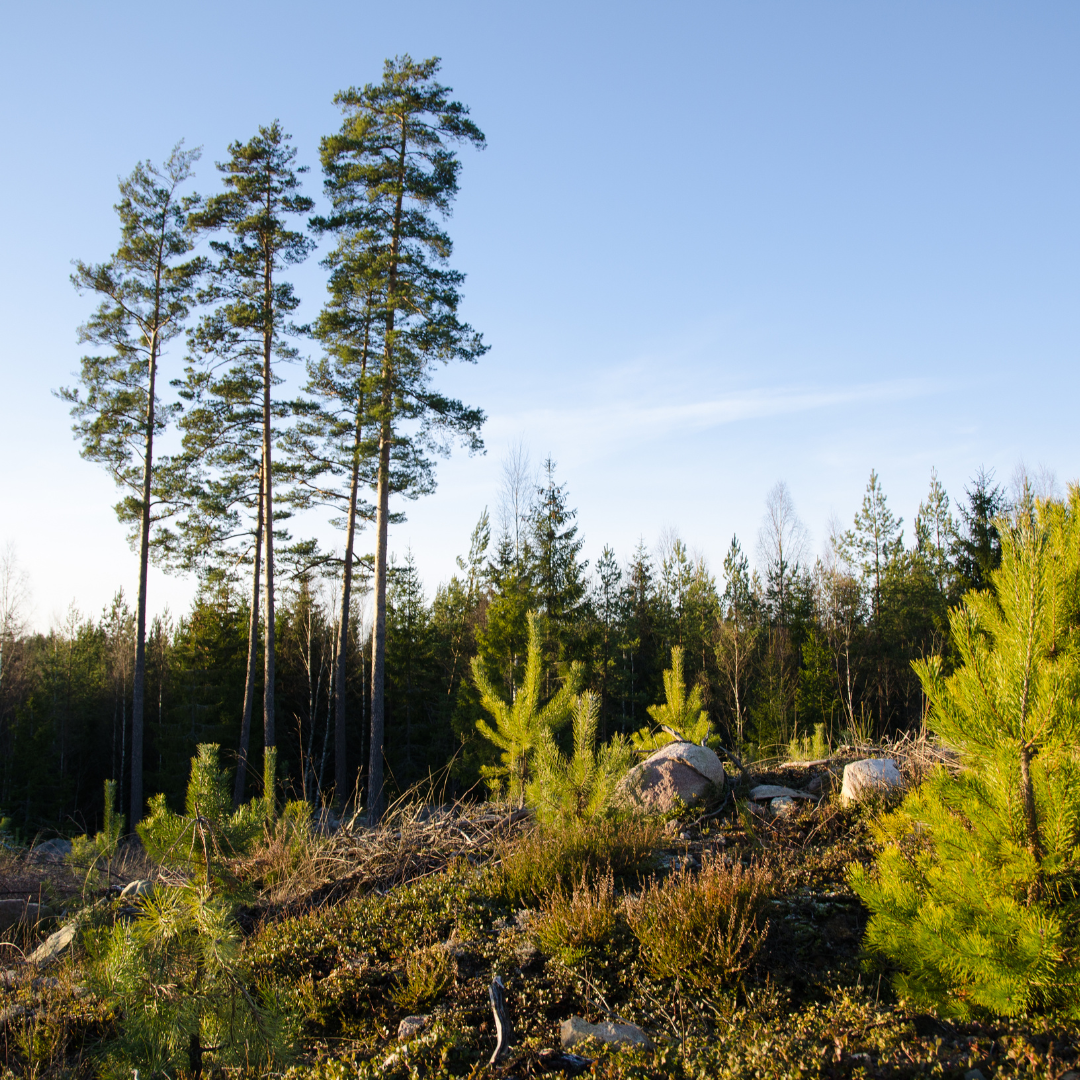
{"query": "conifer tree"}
pixel 680 716
pixel 978 547
pixel 559 574
pixel 935 534
pixel 738 631
pixel 520 722
pixel 875 540
pixel 974 895
pixel 336 442
pixel 246 332
pixel 392 169
pixel 147 290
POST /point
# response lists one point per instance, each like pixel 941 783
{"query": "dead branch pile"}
pixel 412 841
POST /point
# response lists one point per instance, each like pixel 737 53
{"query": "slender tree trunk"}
pixel 378 630
pixel 378 633
pixel 1027 791
pixel 252 654
pixel 139 680
pixel 341 775
pixel 268 509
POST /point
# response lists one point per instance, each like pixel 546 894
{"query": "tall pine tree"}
pixel 147 290
pixel 392 162
pixel 248 328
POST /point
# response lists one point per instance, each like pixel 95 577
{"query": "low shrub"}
pixel 429 972
pixel 574 923
pixel 809 747
pixel 532 866
pixel 701 928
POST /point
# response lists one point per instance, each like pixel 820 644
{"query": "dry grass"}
pixel 540 860
pixel 413 841
pixel 701 928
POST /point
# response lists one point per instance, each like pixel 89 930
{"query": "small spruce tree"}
pixel 975 896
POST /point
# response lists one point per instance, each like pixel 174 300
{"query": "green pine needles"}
pixel 520 723
pixel 975 897
pixel 680 712
pixel 177 974
pixel 581 787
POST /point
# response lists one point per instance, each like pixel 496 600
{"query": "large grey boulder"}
pixel 679 772
pixel 869 776
pixel 576 1030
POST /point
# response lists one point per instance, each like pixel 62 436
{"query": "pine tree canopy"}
pixel 976 894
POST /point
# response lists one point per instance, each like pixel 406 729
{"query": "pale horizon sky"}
pixel 711 245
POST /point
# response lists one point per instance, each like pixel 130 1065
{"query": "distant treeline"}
pixel 797 642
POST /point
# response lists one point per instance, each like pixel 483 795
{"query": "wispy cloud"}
pixel 619 421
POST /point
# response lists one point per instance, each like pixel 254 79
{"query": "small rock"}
pixel 576 1030
pixel 764 792
pixel 54 944
pixel 867 776
pixel 14 912
pixel 783 807
pixel 13 1012
pixel 137 888
pixel 975 1074
pixel 411 1026
pixel 8 979
pixel 55 850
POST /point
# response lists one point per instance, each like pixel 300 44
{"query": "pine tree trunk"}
pixel 138 693
pixel 378 633
pixel 341 776
pixel 252 654
pixel 1027 791
pixel 268 513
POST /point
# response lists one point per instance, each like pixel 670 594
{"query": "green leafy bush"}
pixel 975 896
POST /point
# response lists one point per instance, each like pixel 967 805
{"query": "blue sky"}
pixel 711 246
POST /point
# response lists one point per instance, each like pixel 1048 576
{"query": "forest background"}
pixel 873 231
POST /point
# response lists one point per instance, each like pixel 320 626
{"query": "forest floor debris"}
pixel 368 933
